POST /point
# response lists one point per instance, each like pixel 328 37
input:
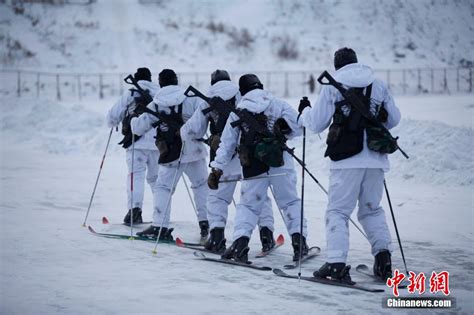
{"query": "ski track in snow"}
pixel 50 156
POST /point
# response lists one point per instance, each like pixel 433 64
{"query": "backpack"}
pixel 141 100
pixel 168 141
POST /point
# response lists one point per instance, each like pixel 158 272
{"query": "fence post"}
pixel 388 79
pixel 404 82
pixel 419 81
pixel 38 85
pixel 432 81
pixel 101 92
pixel 58 92
pixel 286 84
pixel 445 81
pixel 79 87
pixel 18 87
pixel 457 79
pixel 470 80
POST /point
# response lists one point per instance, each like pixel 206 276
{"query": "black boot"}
pixel 239 250
pixel 266 237
pixel 335 271
pixel 216 242
pixel 383 265
pixel 295 242
pixel 154 231
pixel 137 216
pixel 204 226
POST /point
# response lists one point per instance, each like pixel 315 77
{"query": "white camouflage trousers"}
pixel 346 188
pixel 164 188
pixel 253 197
pixel 145 165
pixel 219 200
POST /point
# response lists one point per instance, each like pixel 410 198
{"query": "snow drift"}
pixel 439 153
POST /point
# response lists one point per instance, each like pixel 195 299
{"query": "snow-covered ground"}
pixel 50 264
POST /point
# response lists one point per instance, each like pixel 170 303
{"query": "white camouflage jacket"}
pixel 126 104
pixel 257 101
pixel 196 127
pixel 167 97
pixel 319 117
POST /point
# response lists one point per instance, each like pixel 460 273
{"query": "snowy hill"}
pixel 238 35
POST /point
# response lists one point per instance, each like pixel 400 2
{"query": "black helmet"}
pixel 249 82
pixel 142 74
pixel 344 56
pixel 219 75
pixel 167 77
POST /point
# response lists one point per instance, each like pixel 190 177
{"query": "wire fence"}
pixel 80 86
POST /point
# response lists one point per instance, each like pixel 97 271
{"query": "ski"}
pixel 279 242
pixel 312 252
pixel 356 286
pixel 136 237
pixel 106 221
pixel 364 269
pixel 182 244
pixel 201 256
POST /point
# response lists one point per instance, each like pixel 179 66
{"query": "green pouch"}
pixel 270 152
pixel 380 140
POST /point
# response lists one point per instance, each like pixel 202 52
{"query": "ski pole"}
pixel 189 194
pixel 302 201
pixel 173 183
pixel 395 225
pixel 303 165
pixel 281 212
pixel 251 178
pixel 97 179
pixel 131 188
pixel 317 182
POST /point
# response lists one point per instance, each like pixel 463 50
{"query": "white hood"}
pixel 225 89
pixel 255 101
pixel 150 86
pixel 170 95
pixel 355 75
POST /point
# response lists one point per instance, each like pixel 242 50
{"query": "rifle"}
pixel 148 99
pixel 245 116
pixel 128 137
pixel 145 94
pixel 222 107
pixel 351 96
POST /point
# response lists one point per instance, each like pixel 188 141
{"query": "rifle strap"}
pixel 167 119
pixel 368 93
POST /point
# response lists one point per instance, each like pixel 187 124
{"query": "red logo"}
pixel 417 282
pixel 395 281
pixel 439 282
